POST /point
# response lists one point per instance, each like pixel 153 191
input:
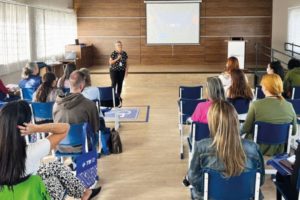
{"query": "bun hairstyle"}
pixel 28 70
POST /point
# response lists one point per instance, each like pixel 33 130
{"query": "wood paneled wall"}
pixel 102 22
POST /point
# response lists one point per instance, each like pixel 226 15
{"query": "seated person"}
pixel 292 78
pixel 30 76
pixel 47 91
pixel 275 67
pixel 63 82
pixel 224 151
pixel 8 94
pixel 239 87
pixel 225 77
pixel 18 161
pixel 289 183
pixel 89 91
pixel 272 109
pixel 74 108
pixel 215 92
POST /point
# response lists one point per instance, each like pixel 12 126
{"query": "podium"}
pixel 84 54
pixel 236 48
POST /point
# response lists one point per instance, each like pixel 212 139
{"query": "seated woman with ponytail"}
pixel 47 91
pixel 272 109
pixel 224 152
pixel 30 76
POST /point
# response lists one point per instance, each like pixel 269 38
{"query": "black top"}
pixel 120 65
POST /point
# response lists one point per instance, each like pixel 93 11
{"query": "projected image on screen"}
pixel 174 23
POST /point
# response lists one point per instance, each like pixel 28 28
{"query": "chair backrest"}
pixel 273 134
pixel 76 136
pixel 27 93
pixel 259 93
pixel 296 105
pixel 187 107
pixel 200 131
pixel 107 94
pixel 296 92
pixel 243 187
pixel 190 92
pixel 241 105
pixel 2 104
pixel 43 111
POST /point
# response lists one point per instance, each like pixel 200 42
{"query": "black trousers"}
pixel 117 78
pixel 286 187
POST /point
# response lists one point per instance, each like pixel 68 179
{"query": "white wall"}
pixel 280 22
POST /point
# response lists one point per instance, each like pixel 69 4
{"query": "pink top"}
pixel 200 113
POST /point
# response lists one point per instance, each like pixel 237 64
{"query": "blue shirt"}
pixel 33 81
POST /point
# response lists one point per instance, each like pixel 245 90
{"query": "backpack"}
pixel 116 144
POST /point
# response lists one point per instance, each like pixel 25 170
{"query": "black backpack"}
pixel 116 144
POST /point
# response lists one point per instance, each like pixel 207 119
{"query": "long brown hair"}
pixel 239 86
pixel 224 129
pixel 232 63
pixel 46 87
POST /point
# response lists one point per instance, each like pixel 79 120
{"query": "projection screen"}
pixel 173 22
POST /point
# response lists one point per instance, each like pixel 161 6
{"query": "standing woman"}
pixel 118 67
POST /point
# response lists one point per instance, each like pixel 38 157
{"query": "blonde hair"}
pixel 224 129
pixel 273 84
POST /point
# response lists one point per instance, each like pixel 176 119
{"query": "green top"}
pixel 31 188
pixel 292 78
pixel 270 110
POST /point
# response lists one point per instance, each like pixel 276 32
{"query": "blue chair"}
pixel 295 92
pixel 259 93
pixel 243 187
pixel 241 105
pixel 27 93
pixel 42 112
pixel 190 92
pixel 199 131
pixel 2 104
pixel 186 110
pixel 273 134
pixel 79 135
pixel 109 100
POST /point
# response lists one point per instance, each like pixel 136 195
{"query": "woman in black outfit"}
pixel 118 68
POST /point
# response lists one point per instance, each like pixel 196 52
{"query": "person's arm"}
pixel 286 84
pixel 295 124
pixel 250 119
pixel 58 131
pixel 113 61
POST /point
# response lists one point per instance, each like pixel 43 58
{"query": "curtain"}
pixel 294 27
pixel 14 40
pixel 54 30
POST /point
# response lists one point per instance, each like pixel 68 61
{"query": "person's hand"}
pixel 27 129
pixel 119 57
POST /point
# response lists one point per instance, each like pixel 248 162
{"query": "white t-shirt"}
pixel 35 153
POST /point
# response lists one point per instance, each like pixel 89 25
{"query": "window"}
pixel 294 27
pixel 54 30
pixel 42 39
pixel 14 43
